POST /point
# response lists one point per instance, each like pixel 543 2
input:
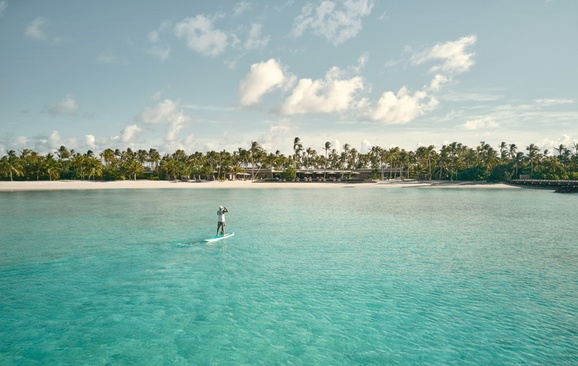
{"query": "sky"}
pixel 214 75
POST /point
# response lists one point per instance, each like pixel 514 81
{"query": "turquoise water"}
pixel 343 276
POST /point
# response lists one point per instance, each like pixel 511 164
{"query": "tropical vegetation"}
pixel 453 161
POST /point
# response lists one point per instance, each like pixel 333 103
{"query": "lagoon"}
pixel 340 276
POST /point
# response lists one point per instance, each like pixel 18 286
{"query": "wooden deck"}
pixel 544 183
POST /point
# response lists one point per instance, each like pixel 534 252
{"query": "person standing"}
pixel 221 220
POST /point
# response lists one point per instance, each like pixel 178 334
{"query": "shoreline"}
pixel 61 185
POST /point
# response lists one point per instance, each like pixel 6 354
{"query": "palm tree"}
pixel 51 167
pixel 532 156
pixel 503 151
pixel 297 147
pixel 345 155
pixel 94 167
pixel 10 165
pixel 107 156
pixel 560 149
pixel 154 158
pixel 63 153
pixel 255 151
pixel 326 148
pixel 517 162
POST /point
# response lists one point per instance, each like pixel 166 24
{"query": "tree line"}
pixel 453 161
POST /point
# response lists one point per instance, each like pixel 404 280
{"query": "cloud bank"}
pixel 345 93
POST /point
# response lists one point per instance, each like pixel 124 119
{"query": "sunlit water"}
pixel 343 276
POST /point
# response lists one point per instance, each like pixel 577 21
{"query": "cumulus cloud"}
pixel 55 141
pixel 66 106
pixel 277 135
pixel 130 132
pixel 336 21
pixel 177 123
pixel 401 107
pixel 90 140
pixel 261 78
pixel 454 55
pixel 201 36
pixel 479 124
pixel 329 95
pixel 163 112
pixel 438 81
pixel 166 112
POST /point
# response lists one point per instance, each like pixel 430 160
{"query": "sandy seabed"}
pixel 151 184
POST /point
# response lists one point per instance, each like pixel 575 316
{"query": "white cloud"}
pixel 107 56
pixel 161 53
pixel 35 29
pixel 3 7
pixel 166 112
pixel 55 140
pixel 177 123
pixel 240 8
pixel 361 61
pixel 130 132
pixel 90 140
pixel 255 40
pixel 66 106
pixel 402 107
pixel 155 36
pixel 278 135
pixel 454 55
pixel 337 22
pixel 261 79
pixel 202 36
pixel 366 146
pixel 553 102
pixel 329 95
pixel 163 112
pixel 479 124
pixel 438 81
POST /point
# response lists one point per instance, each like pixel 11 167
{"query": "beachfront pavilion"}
pixel 319 175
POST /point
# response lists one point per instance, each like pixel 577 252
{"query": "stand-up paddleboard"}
pixel 219 237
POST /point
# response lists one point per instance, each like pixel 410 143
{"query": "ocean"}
pixel 338 276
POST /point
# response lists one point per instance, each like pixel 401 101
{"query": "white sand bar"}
pixel 150 184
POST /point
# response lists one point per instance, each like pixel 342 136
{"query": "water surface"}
pixel 341 276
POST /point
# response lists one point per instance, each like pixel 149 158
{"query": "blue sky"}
pixel 213 75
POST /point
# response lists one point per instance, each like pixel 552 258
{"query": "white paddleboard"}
pixel 219 237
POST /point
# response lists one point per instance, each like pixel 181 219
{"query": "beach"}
pixel 241 184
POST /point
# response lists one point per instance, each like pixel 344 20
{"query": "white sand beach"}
pixel 150 184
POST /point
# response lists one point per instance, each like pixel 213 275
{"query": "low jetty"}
pixel 559 186
pixel 567 189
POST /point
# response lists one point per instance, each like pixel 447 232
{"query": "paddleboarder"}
pixel 221 220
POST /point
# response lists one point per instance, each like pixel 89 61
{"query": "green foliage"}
pixel 500 173
pixel 453 161
pixel 289 174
